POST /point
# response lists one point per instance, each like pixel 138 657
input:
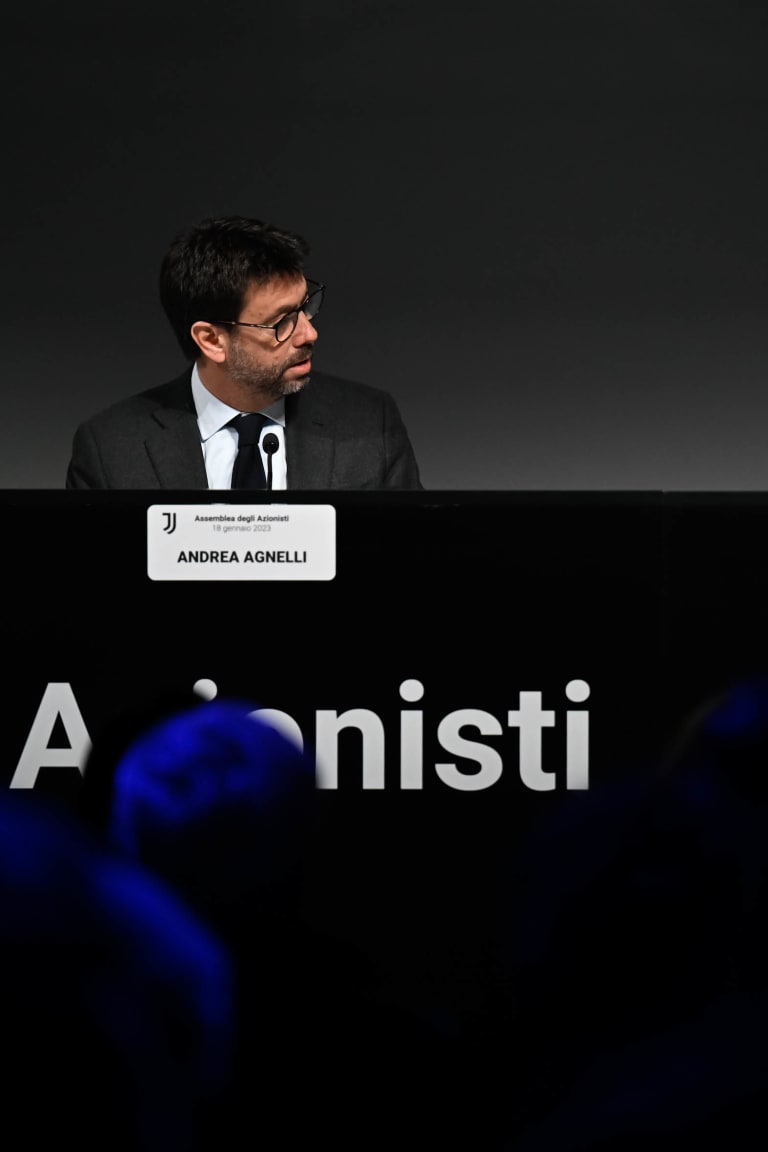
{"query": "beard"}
pixel 266 381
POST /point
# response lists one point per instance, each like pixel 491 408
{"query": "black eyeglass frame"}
pixel 318 290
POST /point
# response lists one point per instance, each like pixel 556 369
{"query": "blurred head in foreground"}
pixel 220 803
pixel 117 1009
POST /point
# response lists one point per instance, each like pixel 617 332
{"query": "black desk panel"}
pixel 651 600
pixel 478 597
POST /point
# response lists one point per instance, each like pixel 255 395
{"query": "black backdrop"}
pixel 542 225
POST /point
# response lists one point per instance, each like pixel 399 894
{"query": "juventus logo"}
pixel 170 525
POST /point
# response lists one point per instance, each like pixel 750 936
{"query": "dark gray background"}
pixel 542 225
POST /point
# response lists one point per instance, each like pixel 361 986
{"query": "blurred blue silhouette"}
pixel 223 806
pixel 117 1002
pixel 639 938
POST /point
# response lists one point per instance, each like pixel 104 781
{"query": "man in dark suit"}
pixel 242 310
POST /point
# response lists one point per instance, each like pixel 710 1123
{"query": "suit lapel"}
pixel 173 442
pixel 308 440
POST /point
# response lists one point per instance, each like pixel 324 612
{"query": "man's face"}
pixel 255 359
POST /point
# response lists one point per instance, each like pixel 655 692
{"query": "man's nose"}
pixel 305 331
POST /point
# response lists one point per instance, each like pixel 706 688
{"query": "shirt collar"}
pixel 213 414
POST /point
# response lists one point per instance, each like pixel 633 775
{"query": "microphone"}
pixel 270 444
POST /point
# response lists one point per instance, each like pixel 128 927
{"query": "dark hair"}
pixel 209 267
pixel 217 801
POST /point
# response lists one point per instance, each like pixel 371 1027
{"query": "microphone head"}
pixel 270 443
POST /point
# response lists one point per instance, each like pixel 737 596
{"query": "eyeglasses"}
pixel 286 326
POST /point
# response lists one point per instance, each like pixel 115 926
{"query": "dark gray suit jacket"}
pixel 338 433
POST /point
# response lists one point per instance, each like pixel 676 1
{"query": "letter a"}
pixel 58 700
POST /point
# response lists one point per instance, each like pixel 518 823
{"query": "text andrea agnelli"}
pixel 459 734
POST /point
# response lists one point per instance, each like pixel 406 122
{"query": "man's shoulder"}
pixel 173 394
pixel 343 389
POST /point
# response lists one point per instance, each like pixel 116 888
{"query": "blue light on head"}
pixel 203 784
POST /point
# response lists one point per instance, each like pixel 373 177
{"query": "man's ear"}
pixel 210 339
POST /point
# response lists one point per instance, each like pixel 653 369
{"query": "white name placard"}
pixel 241 542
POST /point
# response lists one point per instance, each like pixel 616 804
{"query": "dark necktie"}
pixel 248 471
